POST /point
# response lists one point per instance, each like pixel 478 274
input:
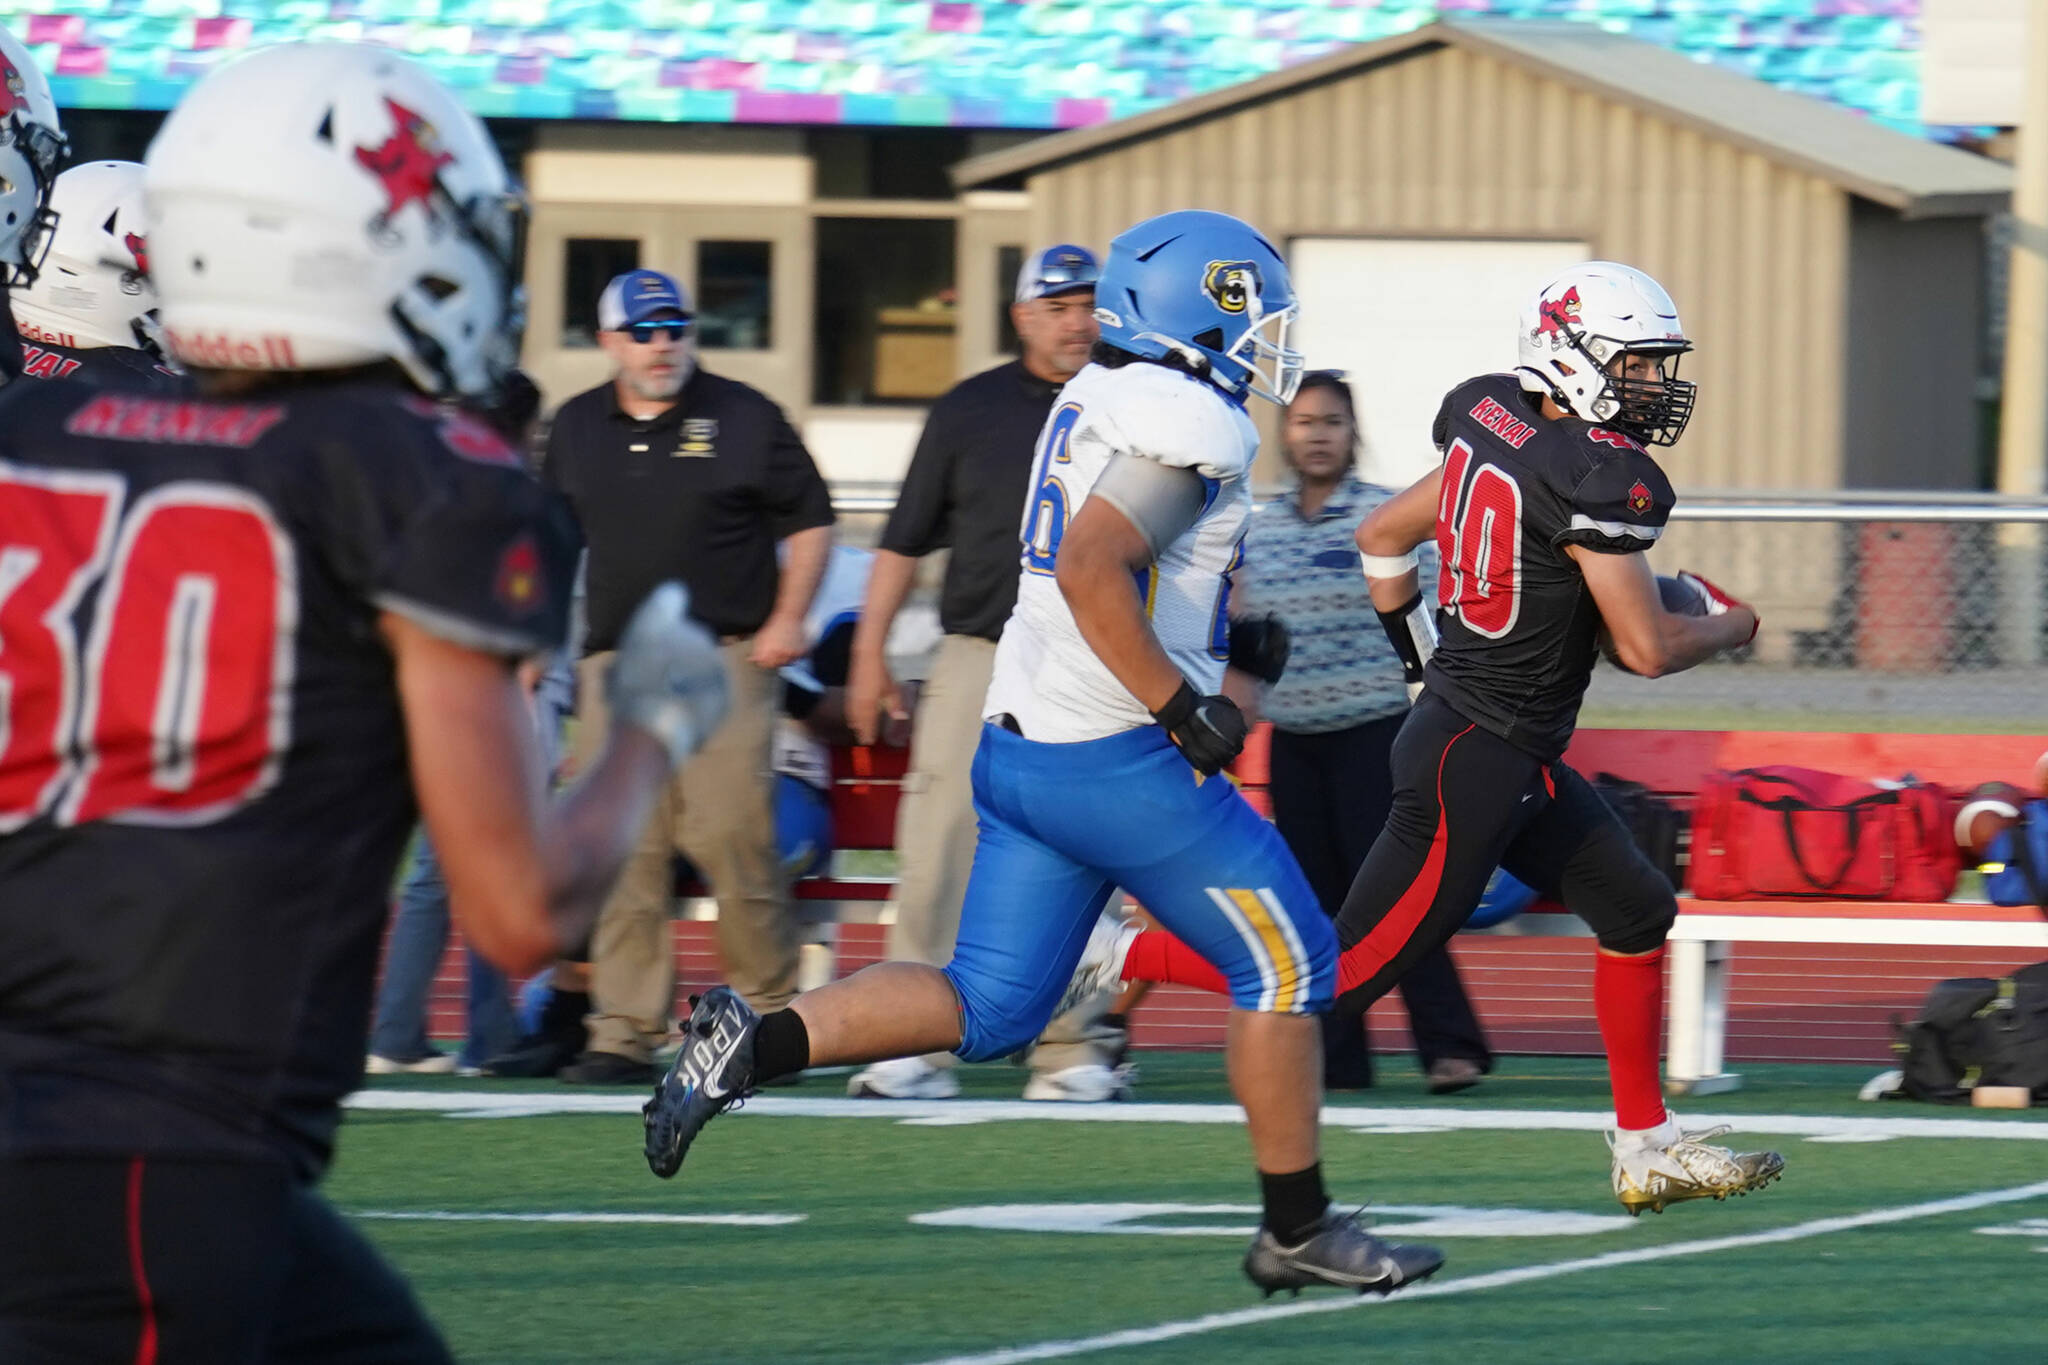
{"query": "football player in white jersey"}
pixel 1103 725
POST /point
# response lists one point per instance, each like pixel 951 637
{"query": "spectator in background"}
pixel 677 473
pixel 965 491
pixel 814 713
pixel 1335 713
pixel 419 924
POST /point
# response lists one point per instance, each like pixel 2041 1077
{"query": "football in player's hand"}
pixel 1680 599
pixel 1990 809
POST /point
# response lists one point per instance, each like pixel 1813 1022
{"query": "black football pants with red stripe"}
pixel 162 1261
pixel 1466 802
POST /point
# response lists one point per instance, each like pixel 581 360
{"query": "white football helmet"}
pixel 31 149
pixel 94 286
pixel 1575 327
pixel 318 206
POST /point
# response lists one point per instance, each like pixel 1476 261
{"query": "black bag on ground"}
pixel 1977 1031
pixel 1658 827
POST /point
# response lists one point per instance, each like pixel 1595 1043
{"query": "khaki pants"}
pixel 720 812
pixel 935 830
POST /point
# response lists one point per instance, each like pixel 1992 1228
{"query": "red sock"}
pixel 1156 955
pixel 1628 1000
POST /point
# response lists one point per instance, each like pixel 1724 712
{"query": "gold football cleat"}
pixel 1651 1178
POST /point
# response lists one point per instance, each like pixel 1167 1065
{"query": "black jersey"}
pixel 1516 618
pixel 203 764
pixel 120 367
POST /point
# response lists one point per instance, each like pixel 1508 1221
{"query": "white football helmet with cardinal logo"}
pixel 325 205
pixel 94 286
pixel 1576 326
pixel 31 149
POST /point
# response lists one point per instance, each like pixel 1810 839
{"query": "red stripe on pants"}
pixel 1363 960
pixel 145 1348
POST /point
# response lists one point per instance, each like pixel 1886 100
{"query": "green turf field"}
pixel 1874 1248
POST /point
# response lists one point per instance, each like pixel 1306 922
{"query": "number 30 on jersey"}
pixel 172 707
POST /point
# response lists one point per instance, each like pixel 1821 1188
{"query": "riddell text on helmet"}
pixel 233 351
pixel 49 336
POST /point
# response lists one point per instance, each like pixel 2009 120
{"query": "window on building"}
pixel 734 295
pixel 588 265
pixel 886 163
pixel 1009 260
pixel 886 310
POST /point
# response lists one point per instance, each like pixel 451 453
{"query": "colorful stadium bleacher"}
pixel 960 63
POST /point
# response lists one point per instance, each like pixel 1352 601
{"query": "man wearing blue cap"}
pixel 965 492
pixel 677 473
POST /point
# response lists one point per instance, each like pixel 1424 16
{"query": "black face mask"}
pixel 1654 411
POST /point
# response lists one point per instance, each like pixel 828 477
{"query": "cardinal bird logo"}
pixel 1639 498
pixel 408 164
pixel 1557 312
pixel 138 247
pixel 13 89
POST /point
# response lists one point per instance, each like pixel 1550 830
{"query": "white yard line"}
pixel 1498 1279
pixel 724 1220
pixel 501 1104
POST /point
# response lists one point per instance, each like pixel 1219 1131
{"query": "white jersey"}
pixel 1045 674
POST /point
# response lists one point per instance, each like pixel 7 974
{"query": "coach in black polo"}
pixel 677 473
pixel 964 491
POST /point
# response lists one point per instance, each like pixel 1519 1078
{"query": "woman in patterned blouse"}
pixel 1335 713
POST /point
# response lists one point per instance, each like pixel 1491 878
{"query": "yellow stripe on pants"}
pixel 1285 965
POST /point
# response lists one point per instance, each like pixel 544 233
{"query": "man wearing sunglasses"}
pixel 676 473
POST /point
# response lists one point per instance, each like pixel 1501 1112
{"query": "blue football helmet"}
pixel 1209 288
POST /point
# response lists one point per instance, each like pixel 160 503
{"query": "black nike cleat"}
pixel 1341 1253
pixel 713 1072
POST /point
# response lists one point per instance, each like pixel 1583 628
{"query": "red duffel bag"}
pixel 1785 833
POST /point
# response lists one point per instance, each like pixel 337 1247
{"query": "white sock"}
pixel 1663 1135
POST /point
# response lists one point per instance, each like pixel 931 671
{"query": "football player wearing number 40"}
pixel 1104 727
pixel 1543 509
pixel 245 639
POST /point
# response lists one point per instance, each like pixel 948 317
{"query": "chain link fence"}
pixel 1881 611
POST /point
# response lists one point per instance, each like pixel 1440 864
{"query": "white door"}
pixel 1408 318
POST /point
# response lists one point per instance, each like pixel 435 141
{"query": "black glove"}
pixel 1259 646
pixel 1209 730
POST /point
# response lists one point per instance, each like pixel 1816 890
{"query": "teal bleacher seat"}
pixel 1006 63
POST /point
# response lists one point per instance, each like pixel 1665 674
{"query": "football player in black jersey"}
pixel 90 312
pixel 1542 509
pixel 245 638
pixel 32 149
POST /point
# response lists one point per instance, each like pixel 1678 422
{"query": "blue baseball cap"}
pixel 1062 269
pixel 640 296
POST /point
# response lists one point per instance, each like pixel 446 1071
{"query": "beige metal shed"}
pixel 1829 269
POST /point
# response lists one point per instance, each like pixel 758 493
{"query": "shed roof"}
pixel 1918 178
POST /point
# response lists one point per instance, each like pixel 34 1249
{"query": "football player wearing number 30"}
pixel 244 637
pixel 1543 509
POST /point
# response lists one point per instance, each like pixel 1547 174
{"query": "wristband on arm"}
pixel 1412 630
pixel 1390 566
